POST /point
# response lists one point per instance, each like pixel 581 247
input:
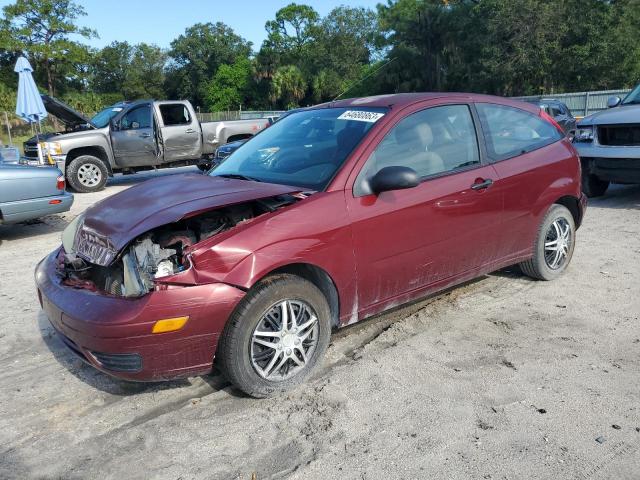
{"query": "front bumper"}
pixel 615 164
pixel 114 333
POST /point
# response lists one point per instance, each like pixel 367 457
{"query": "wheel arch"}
pixel 241 136
pixel 319 277
pixel 95 151
pixel 573 205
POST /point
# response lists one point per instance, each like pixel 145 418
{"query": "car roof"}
pixel 399 100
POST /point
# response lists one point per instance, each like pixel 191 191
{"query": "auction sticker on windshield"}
pixel 361 116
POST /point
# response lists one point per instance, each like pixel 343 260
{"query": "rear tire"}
pixel 262 351
pixel 87 174
pixel 592 186
pixel 554 245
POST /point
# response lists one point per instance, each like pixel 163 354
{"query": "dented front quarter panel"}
pixel 314 231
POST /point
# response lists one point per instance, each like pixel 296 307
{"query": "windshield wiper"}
pixel 237 176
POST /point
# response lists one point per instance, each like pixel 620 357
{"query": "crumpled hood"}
pixel 153 203
pixel 613 116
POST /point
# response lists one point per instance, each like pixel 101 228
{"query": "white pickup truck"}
pixel 133 136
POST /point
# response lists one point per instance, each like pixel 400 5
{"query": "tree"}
pixel 229 86
pixel 292 29
pixel 195 56
pixel 109 67
pixel 288 87
pixel 133 71
pixel 40 29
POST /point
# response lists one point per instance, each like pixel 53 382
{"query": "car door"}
pixel 133 140
pixel 406 241
pixel 180 132
pixel 526 152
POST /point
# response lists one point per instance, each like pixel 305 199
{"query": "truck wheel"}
pixel 554 245
pixel 592 186
pixel 205 167
pixel 87 173
pixel 276 336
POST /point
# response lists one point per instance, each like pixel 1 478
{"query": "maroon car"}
pixel 333 214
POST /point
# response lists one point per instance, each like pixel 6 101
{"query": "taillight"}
pixel 60 182
pixel 551 120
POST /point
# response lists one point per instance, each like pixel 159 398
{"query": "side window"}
pixel 556 111
pixel 139 117
pixel 175 114
pixel 510 131
pixel 431 142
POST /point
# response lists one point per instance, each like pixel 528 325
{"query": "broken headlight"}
pixel 69 233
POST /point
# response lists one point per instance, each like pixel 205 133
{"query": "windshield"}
pixel 304 149
pixel 102 118
pixel 633 96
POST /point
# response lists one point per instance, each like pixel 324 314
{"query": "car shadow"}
pixel 101 381
pixel 618 196
pixel 33 228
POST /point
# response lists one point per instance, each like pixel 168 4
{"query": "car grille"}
pixel 619 135
pixel 94 248
pixel 119 362
pixel 30 151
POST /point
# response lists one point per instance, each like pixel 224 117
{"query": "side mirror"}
pixel 613 102
pixel 393 178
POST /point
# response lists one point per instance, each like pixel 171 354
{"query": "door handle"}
pixel 482 184
pixel 190 130
pixel 145 135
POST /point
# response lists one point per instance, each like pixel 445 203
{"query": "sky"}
pixel 160 21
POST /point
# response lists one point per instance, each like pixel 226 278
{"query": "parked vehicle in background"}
pixel 227 149
pixel 31 192
pixel 609 144
pixel 560 113
pixel 333 214
pixel 133 136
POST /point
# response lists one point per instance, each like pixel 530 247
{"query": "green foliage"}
pixel 505 47
pixel 41 30
pixel 288 87
pixel 196 55
pixel 229 87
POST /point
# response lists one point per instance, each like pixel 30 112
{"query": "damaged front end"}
pixel 89 260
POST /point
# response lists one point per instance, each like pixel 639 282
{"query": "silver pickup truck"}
pixel 132 136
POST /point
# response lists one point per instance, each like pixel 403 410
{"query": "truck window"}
pixel 139 117
pixel 175 114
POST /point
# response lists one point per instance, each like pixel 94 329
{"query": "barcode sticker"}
pixel 361 116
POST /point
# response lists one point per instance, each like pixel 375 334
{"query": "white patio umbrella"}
pixel 29 106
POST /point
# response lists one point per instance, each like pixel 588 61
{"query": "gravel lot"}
pixel 502 378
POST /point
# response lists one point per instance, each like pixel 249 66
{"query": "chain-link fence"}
pixel 582 104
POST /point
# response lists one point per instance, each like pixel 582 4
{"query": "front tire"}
pixel 554 245
pixel 276 336
pixel 87 174
pixel 592 186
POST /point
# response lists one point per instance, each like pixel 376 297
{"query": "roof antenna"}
pixel 364 78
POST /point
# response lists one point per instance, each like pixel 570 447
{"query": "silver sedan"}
pixel 30 192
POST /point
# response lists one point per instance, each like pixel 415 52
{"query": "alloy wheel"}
pixel 557 243
pixel 284 340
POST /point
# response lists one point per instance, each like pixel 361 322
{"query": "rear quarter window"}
pixel 510 131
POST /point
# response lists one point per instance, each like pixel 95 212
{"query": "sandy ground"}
pixel 503 378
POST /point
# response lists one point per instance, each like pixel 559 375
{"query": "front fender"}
pixel 333 255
